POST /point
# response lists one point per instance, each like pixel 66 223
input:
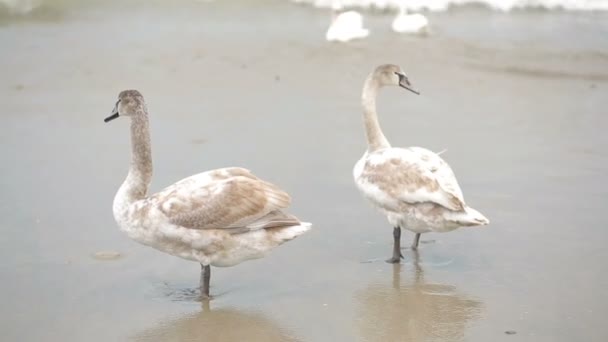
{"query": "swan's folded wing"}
pixel 412 175
pixel 440 169
pixel 238 203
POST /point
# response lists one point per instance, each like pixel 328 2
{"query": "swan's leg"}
pixel 396 246
pixel 416 241
pixel 204 284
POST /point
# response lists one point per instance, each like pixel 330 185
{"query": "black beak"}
pixel 405 83
pixel 111 117
pixel 114 113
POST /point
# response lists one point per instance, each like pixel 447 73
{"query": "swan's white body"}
pixel 220 217
pixel 416 190
pixel 410 23
pixel 414 187
pixel 346 26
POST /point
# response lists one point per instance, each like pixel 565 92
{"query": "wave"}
pixel 20 6
pixel 27 6
pixel 443 5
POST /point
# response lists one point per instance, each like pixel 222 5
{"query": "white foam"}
pixel 442 5
pixel 20 6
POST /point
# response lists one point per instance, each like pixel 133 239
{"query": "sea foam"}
pixel 442 5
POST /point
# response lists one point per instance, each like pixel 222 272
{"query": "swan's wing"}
pixel 232 199
pixel 412 175
pixel 442 171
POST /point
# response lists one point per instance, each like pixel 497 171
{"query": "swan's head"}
pixel 393 75
pixel 129 103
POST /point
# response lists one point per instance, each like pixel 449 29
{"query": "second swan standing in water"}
pixel 217 218
pixel 413 187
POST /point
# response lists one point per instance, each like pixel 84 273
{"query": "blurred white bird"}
pixel 410 23
pixel 345 26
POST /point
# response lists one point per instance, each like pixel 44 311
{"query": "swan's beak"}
pixel 405 83
pixel 114 113
pixel 111 117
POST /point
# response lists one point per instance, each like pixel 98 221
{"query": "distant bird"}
pixel 413 187
pixel 410 23
pixel 217 218
pixel 345 26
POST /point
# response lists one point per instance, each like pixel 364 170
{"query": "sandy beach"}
pixel 518 100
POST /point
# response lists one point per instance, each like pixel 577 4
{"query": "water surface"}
pixel 517 99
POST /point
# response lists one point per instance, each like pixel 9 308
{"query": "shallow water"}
pixel 518 100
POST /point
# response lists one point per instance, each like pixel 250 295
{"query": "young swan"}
pixel 221 217
pixel 413 187
pixel 410 23
pixel 345 26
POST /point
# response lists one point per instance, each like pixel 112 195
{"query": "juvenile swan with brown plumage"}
pixel 413 187
pixel 217 218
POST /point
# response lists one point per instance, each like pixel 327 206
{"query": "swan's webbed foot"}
pixel 205 297
pixel 395 259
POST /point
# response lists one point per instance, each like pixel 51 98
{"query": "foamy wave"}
pixel 20 6
pixel 442 5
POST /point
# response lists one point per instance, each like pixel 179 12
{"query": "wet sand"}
pixel 518 100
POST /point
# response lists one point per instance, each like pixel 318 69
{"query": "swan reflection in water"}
pixel 414 310
pixel 217 325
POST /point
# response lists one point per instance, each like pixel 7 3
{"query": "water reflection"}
pixel 221 325
pixel 415 310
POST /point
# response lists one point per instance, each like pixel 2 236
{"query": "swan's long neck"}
pixel 135 187
pixel 375 138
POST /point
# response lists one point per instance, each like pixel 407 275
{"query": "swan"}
pixel 218 218
pixel 345 26
pixel 414 187
pixel 410 23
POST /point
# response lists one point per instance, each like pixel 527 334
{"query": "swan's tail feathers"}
pixel 469 218
pixel 284 234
